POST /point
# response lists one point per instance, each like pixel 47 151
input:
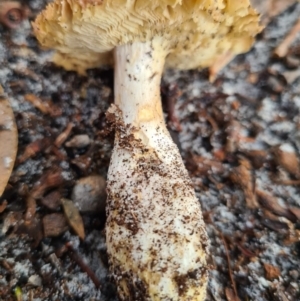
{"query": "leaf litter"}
pixel 246 123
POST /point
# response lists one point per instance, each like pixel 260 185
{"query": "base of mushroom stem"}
pixel 156 238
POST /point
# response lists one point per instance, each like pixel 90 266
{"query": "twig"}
pixel 51 179
pixel 229 267
pixel 85 268
pixel 282 49
pixel 61 138
pixel 45 107
pixel 33 149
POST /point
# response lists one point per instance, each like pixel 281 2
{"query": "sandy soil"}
pixel 239 139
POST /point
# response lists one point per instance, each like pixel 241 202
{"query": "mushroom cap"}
pixel 80 62
pixel 197 31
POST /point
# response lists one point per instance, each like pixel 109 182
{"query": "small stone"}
pixel 89 194
pixel 35 280
pixel 79 141
pixel 294 274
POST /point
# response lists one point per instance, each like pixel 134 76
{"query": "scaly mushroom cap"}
pixel 198 31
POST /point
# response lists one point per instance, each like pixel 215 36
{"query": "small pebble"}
pixel 89 194
pixel 79 141
pixel 294 274
pixel 35 280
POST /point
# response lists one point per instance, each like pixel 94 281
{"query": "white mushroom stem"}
pixel 156 239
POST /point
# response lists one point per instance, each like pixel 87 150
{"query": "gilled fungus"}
pixel 156 238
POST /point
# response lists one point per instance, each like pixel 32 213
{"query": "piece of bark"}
pixel 52 200
pixel 33 148
pixel 257 157
pixel 54 224
pixel 50 179
pixel 242 176
pixel 62 137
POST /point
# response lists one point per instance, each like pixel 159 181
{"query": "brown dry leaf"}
pixel 257 157
pixel 230 295
pixel 8 140
pixel 295 211
pixel 270 202
pixel 271 8
pixel 243 176
pixel 274 222
pixel 203 166
pixel 286 157
pixel 3 206
pixel 73 217
pixel 271 271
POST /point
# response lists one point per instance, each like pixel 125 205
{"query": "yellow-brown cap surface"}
pixel 198 31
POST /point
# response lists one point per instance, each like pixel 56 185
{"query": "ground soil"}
pixel 239 138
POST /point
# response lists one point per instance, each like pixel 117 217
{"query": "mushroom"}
pixel 156 238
